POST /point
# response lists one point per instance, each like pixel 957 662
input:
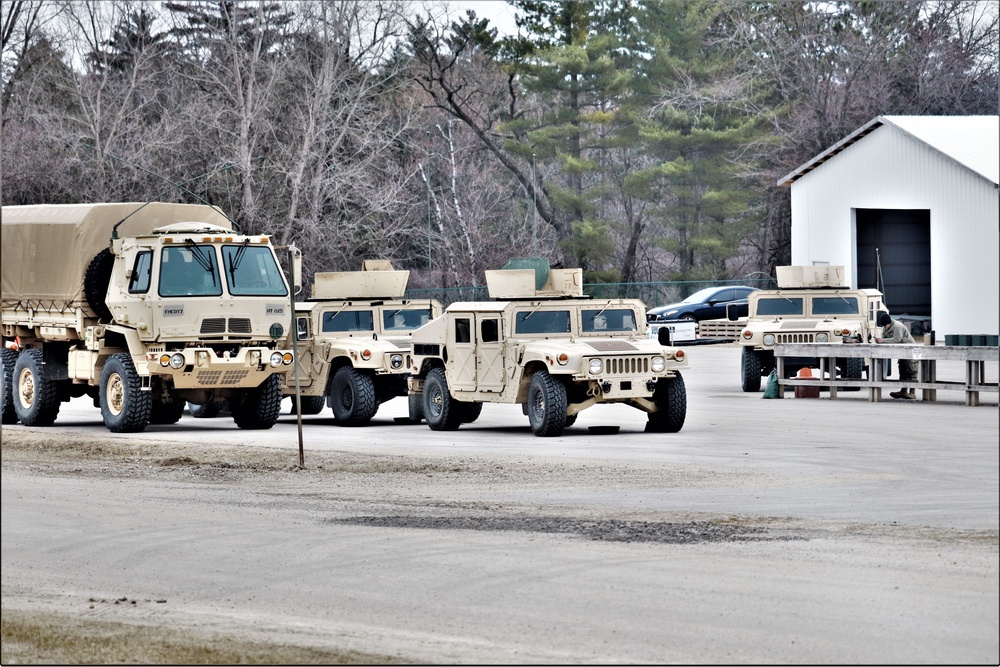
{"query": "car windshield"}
pixel 349 320
pixel 608 319
pixel 780 306
pixel 399 319
pixel 834 305
pixel 701 295
pixel 542 321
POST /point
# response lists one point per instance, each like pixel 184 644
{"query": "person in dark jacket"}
pixel 894 331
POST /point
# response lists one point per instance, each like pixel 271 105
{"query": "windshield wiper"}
pixel 203 258
pixel 234 262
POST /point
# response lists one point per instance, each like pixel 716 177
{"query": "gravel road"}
pixel 809 531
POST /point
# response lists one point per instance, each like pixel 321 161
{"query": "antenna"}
pixel 223 167
pixel 879 280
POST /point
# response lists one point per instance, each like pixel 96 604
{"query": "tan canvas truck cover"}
pixel 46 248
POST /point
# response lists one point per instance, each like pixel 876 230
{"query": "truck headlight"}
pixel 768 339
pixel 595 366
pixel 658 364
pixel 276 359
pixel 396 361
pixel 177 360
pixel 287 358
pixel 822 338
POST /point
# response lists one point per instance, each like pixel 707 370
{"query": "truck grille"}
pixel 626 365
pixel 795 338
pixel 217 325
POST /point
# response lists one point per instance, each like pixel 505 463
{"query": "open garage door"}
pixel 901 241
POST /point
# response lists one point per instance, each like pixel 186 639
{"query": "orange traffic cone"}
pixel 806 392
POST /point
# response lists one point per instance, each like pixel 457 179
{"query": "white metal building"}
pixel 910 205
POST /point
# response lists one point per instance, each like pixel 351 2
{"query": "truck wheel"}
pixel 96 281
pixel 352 395
pixel 547 405
pixel 415 403
pixel 208 410
pixel 852 370
pixel 750 367
pixel 166 413
pixel 470 411
pixel 670 397
pixel 441 411
pixel 258 408
pixel 311 405
pixel 36 398
pixel 124 405
pixel 7 386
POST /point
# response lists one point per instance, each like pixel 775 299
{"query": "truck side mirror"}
pixel 295 261
pixel 663 336
pixel 733 312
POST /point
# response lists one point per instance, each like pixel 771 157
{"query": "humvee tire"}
pixel 547 405
pixel 311 405
pixel 750 367
pixel 208 410
pixel 96 281
pixel 352 396
pixel 7 386
pixel 415 403
pixel 442 412
pixel 36 398
pixel 671 399
pixel 124 406
pixel 166 413
pixel 257 409
pixel 853 368
pixel 470 411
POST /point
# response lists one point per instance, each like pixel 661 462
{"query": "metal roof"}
pixel 971 141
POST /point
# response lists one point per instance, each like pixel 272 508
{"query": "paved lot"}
pixel 772 531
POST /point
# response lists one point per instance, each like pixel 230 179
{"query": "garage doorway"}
pixel 898 241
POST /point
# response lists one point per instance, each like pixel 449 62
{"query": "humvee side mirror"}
pixel 663 336
pixel 732 312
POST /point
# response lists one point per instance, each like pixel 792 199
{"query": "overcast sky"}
pixel 500 14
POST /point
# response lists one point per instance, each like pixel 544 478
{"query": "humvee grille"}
pixel 626 365
pixel 795 338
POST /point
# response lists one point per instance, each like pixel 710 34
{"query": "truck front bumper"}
pixel 202 368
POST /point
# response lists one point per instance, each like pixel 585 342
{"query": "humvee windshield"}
pixel 541 322
pixel 780 306
pixel 834 305
pixel 252 271
pixel 400 319
pixel 349 320
pixel 189 270
pixel 608 319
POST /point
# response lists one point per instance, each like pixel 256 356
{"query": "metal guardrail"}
pixel 878 355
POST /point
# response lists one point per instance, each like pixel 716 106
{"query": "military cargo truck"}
pixel 544 345
pixel 812 304
pixel 354 342
pixel 141 306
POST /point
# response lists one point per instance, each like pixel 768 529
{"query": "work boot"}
pixel 903 393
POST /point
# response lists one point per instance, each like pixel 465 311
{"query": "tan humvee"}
pixel 354 342
pixel 542 344
pixel 811 305
pixel 141 306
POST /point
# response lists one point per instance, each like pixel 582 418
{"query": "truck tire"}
pixel 441 411
pixel 547 405
pixel 208 410
pixel 670 397
pixel 96 281
pixel 470 411
pixel 7 386
pixel 311 405
pixel 750 367
pixel 259 408
pixel 125 407
pixel 352 397
pixel 415 403
pixel 166 413
pixel 35 397
pixel 852 370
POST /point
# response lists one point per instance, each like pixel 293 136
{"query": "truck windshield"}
pixel 252 271
pixel 780 306
pixel 609 319
pixel 190 270
pixel 834 305
pixel 348 320
pixel 399 319
pixel 542 321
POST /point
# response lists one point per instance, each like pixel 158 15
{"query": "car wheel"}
pixel 670 397
pixel 750 367
pixel 125 407
pixel 352 395
pixel 441 411
pixel 687 317
pixel 547 405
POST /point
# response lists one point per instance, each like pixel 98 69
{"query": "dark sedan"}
pixel 707 304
